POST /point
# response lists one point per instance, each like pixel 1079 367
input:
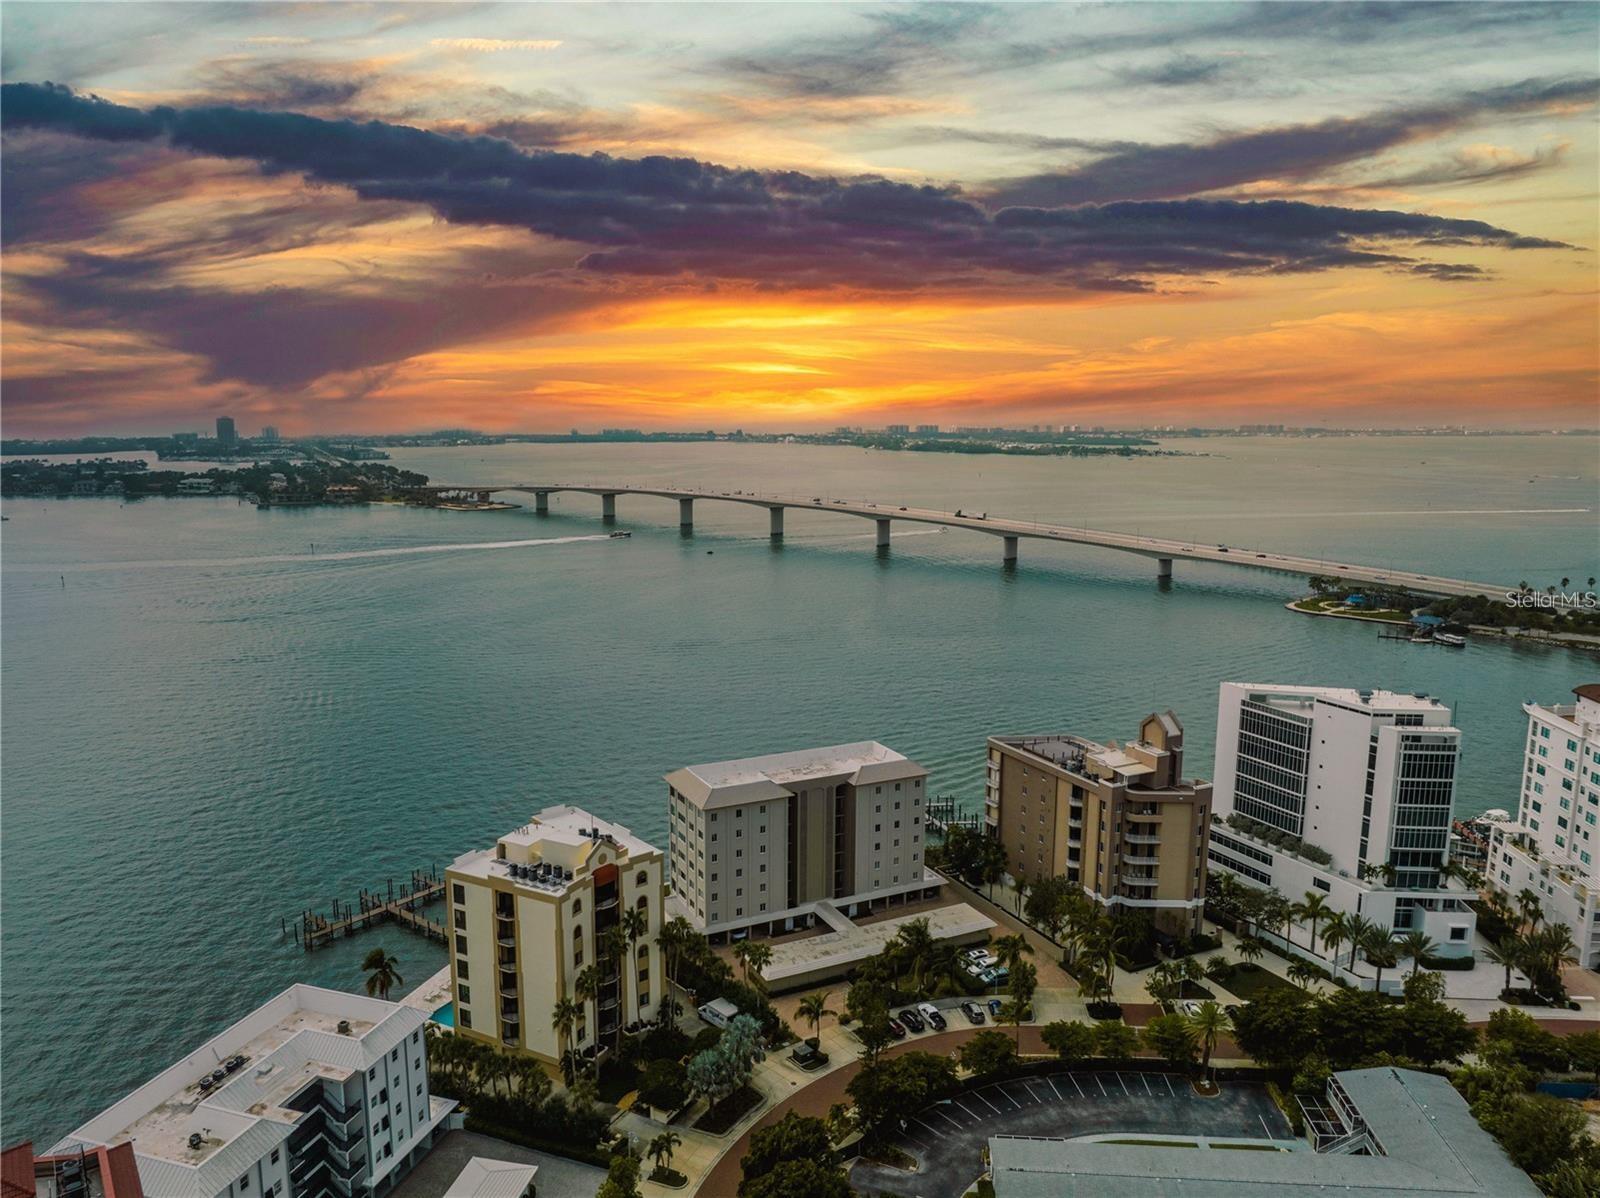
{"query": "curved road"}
pixel 1163 550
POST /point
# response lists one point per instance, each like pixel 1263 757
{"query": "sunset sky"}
pixel 385 217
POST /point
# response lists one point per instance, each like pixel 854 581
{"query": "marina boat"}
pixel 615 535
pixel 1454 639
pixel 1421 636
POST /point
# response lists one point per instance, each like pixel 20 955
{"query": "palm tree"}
pixel 1532 912
pixel 586 986
pixel 662 1147
pixel 741 954
pixel 1250 949
pixel 1416 946
pixel 1334 933
pixel 992 863
pixel 1301 973
pixel 1209 1023
pixel 1008 950
pixel 1356 929
pixel 813 1008
pixel 756 958
pixel 381 971
pixel 1380 951
pixel 1508 956
pixel 674 937
pixel 565 1017
pixel 1020 886
pixel 1022 985
pixel 1313 908
pixel 1100 953
pixel 913 944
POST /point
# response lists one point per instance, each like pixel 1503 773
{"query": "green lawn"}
pixel 1249 984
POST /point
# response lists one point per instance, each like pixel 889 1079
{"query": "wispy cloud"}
pixel 494 45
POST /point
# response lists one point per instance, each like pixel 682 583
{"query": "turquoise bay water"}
pixel 215 717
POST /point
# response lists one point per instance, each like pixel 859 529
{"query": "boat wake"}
pixel 202 563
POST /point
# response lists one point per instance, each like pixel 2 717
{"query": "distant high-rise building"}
pixel 1552 846
pixel 758 843
pixel 900 429
pixel 536 910
pixel 927 428
pixel 227 435
pixel 1120 822
pixel 1344 793
pixel 269 432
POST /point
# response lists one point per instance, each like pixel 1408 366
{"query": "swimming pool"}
pixel 445 1015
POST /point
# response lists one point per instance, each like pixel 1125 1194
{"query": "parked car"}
pixel 975 954
pixel 996 976
pixel 911 1020
pixel 1186 1006
pixel 994 1007
pixel 973 1012
pixel 931 1013
pixel 896 1028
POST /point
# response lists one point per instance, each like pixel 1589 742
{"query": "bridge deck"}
pixel 1153 547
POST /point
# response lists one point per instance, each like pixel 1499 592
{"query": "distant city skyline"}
pixel 795 217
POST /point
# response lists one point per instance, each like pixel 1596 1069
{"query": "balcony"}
pixel 505 940
pixel 1140 883
pixel 1150 863
pixel 508 991
pixel 1141 838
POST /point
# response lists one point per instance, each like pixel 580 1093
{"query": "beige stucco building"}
pixel 758 842
pixel 528 915
pixel 1121 822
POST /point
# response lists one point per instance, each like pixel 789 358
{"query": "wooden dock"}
pixel 401 905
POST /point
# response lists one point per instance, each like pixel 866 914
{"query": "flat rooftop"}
pixel 300 1035
pixel 1430 1144
pixel 774 775
pixel 558 842
pixel 851 943
pixel 1377 701
pixel 1079 755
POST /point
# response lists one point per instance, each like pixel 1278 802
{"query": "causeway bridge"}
pixel 1163 551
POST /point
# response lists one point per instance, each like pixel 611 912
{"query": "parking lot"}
pixel 947 1139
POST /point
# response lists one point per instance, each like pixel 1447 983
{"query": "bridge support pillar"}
pixel 608 506
pixel 1164 569
pixel 883 534
pixel 686 514
pixel 1010 552
pixel 541 502
pixel 775 518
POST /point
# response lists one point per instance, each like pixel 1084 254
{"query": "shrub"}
pixel 665 1085
pixel 989 1054
pixel 1455 964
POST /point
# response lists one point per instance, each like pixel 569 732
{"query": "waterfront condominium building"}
pixel 1553 846
pixel 1119 821
pixel 530 916
pixel 760 842
pixel 316 1092
pixel 1347 794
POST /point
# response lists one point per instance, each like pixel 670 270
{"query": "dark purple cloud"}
pixel 1288 152
pixel 661 216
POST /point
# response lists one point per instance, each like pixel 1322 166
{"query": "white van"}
pixel 718 1012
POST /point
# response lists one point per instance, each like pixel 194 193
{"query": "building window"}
pixel 459 892
pixel 461 944
pixel 577 906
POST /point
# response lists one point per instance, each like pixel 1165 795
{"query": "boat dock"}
pixel 402 905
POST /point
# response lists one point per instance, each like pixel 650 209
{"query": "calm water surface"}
pixel 216 716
